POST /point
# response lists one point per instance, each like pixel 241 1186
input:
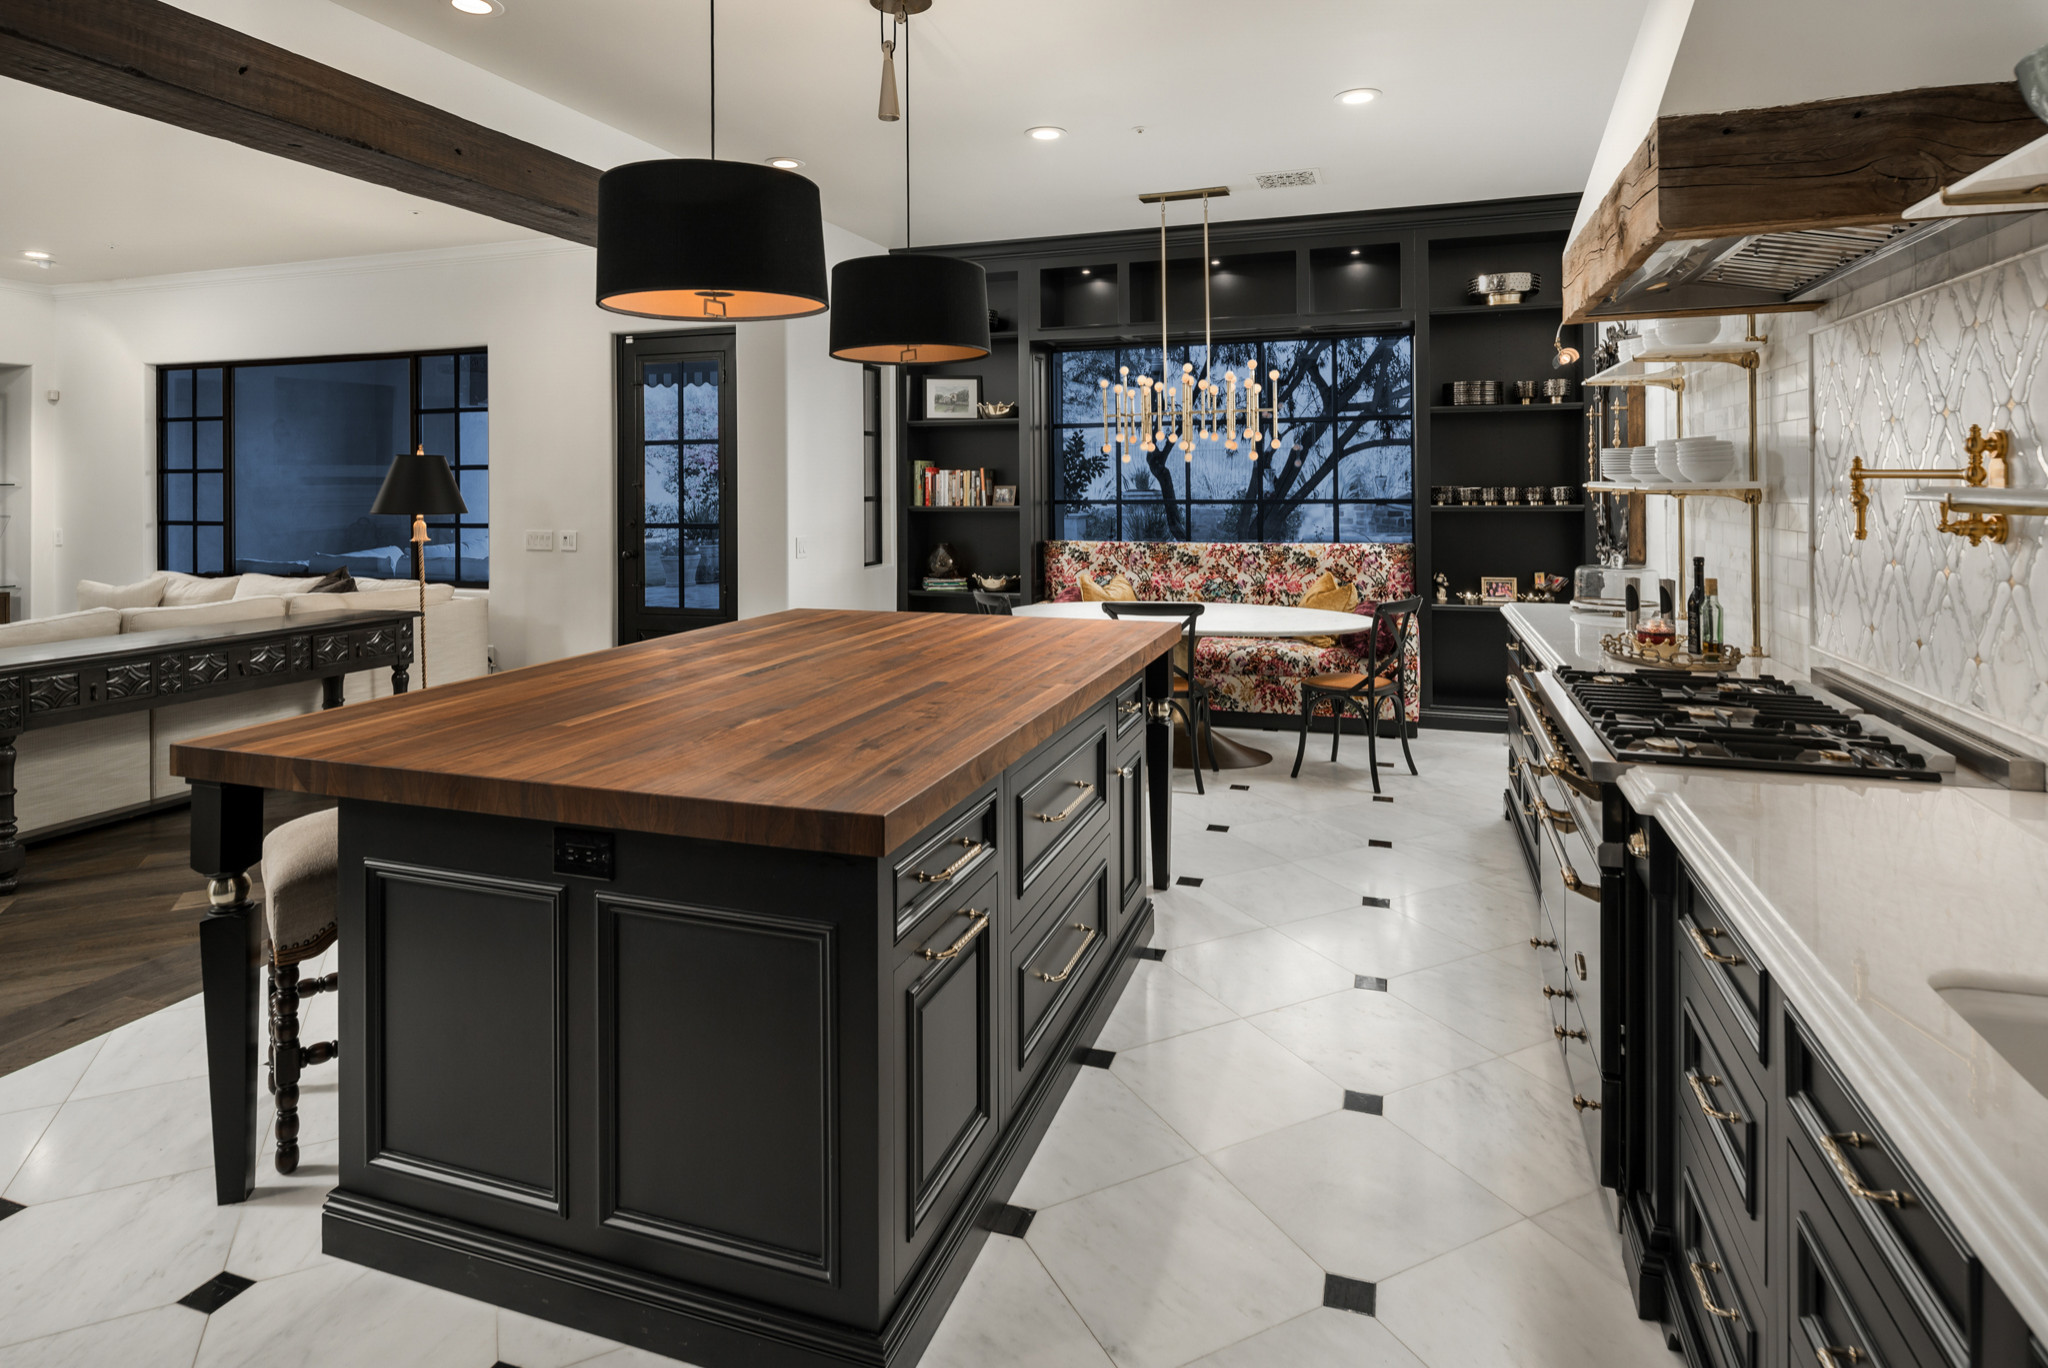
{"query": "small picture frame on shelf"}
pixel 951 396
pixel 1002 496
pixel 1496 588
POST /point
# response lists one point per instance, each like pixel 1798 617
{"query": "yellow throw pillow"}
pixel 1118 589
pixel 1331 597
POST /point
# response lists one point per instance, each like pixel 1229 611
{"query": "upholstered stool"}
pixel 299 923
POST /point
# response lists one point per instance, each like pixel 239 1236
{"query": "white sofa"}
pixel 71 775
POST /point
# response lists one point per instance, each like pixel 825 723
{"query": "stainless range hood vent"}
pixel 1756 270
pixel 1786 263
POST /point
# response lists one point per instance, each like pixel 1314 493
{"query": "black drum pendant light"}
pixel 908 307
pixel 706 240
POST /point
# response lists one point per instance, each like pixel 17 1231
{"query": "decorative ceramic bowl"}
pixel 1504 287
pixel 1681 332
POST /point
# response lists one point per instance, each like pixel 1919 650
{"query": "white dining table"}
pixel 1227 619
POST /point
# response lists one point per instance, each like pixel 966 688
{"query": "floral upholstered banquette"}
pixel 1249 674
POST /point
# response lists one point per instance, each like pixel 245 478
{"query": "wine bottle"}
pixel 1692 604
pixel 1713 625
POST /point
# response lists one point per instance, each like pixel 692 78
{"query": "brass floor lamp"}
pixel 420 484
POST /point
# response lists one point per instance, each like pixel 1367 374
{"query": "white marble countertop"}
pixel 1564 639
pixel 1852 893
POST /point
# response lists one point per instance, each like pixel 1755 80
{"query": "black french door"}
pixel 678 566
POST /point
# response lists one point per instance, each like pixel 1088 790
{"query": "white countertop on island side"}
pixel 1851 893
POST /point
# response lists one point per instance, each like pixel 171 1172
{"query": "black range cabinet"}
pixel 735 1104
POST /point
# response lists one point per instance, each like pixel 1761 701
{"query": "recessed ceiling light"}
pixel 1357 96
pixel 1046 132
pixel 784 163
pixel 1216 261
pixel 1086 271
pixel 1354 251
pixel 37 256
pixel 478 6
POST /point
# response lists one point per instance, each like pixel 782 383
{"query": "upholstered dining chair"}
pixel 299 862
pixel 995 605
pixel 1392 621
pixel 1190 700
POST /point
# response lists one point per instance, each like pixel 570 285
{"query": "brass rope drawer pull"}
pixel 1699 1278
pixel 1829 1354
pixel 1584 1104
pixel 1551 992
pixel 974 848
pixel 1700 1085
pixel 1541 944
pixel 1562 1034
pixel 1069 810
pixel 1086 941
pixel 1699 940
pixel 1857 1187
pixel 953 950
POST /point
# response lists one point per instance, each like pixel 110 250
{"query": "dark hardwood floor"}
pixel 104 929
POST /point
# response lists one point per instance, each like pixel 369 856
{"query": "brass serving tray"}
pixel 1621 647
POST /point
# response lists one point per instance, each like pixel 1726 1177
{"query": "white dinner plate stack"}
pixel 1614 464
pixel 1704 460
pixel 1642 463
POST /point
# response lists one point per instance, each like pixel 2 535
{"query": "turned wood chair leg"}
pixel 285 1061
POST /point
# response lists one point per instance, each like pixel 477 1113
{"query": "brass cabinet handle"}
pixel 1541 944
pixel 1699 940
pixel 974 848
pixel 1514 764
pixel 1699 1278
pixel 1086 941
pixel 1700 1084
pixel 1857 1187
pixel 1562 1034
pixel 1069 810
pixel 1584 1104
pixel 1639 845
pixel 1131 708
pixel 1551 992
pixel 1830 1354
pixel 953 950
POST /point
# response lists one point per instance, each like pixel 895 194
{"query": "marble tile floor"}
pixel 1266 1139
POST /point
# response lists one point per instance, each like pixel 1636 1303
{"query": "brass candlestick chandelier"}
pixel 1175 412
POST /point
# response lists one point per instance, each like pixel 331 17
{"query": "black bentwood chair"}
pixel 1190 700
pixel 1391 622
pixel 995 605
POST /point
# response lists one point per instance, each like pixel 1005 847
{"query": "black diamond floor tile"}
pixel 1157 952
pixel 8 1208
pixel 1010 1220
pixel 1240 787
pixel 1381 798
pixel 1369 1103
pixel 1218 826
pixel 1376 902
pixel 216 1292
pixel 1381 845
pixel 1377 985
pixel 1188 881
pixel 1097 1059
pixel 1349 1294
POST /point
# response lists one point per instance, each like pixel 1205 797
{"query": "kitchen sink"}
pixel 2009 1010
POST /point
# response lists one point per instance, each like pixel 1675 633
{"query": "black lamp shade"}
pixel 910 308
pixel 709 240
pixel 419 483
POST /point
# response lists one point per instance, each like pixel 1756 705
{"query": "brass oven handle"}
pixel 1542 943
pixel 953 950
pixel 1829 1354
pixel 1565 871
pixel 1551 992
pixel 974 849
pixel 1699 940
pixel 1857 1187
pixel 1639 845
pixel 1079 950
pixel 1069 810
pixel 1554 761
pixel 1584 1104
pixel 1557 817
pixel 1699 1278
pixel 1562 1034
pixel 1699 1090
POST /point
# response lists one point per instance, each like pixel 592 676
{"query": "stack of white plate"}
pixel 1642 464
pixel 1704 460
pixel 1614 464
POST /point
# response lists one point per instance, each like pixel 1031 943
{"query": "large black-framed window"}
pixel 271 466
pixel 871 464
pixel 1343 469
pixel 677 482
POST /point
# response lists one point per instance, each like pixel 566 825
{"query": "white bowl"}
pixel 1614 464
pixel 1705 470
pixel 1643 467
pixel 1666 458
pixel 1684 332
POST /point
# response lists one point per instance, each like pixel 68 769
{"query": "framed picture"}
pixel 951 396
pixel 1497 588
pixel 1003 496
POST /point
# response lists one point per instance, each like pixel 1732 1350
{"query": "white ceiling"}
pixel 1483 99
pixel 110 194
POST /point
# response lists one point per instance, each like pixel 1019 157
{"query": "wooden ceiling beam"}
pixel 156 60
pixel 1830 163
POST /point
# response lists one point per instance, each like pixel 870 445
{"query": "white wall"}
pixel 28 368
pixel 551 423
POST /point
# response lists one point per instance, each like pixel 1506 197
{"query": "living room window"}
pixel 871 464
pixel 271 466
pixel 1342 471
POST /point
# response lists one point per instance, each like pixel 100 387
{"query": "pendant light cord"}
pixel 714 80
pixel 904 22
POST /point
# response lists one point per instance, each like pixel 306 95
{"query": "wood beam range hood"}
pixel 1752 211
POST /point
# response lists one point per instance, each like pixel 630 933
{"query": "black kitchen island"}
pixel 712 993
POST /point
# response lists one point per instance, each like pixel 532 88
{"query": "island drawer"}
pixel 1130 706
pixel 1051 963
pixel 1723 1303
pixel 956 853
pixel 1727 963
pixel 1058 797
pixel 1882 1209
pixel 1131 834
pixel 1720 1098
pixel 1838 1316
